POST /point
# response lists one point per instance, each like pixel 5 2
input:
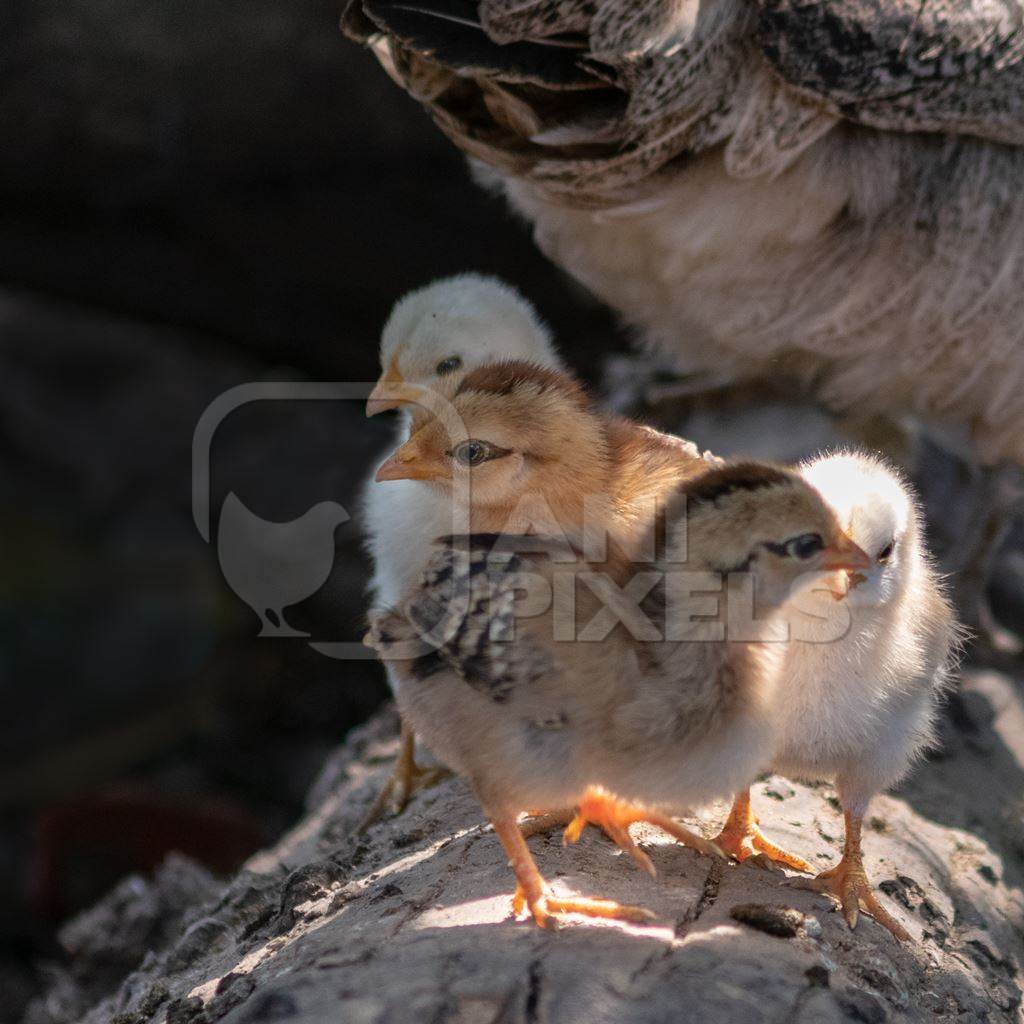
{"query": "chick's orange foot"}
pixel 848 884
pixel 545 908
pixel 407 779
pixel 614 816
pixel 532 892
pixel 742 839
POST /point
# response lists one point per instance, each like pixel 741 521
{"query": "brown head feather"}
pixel 736 476
pixel 508 375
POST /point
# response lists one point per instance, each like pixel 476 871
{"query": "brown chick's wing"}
pixel 648 467
pixel 465 611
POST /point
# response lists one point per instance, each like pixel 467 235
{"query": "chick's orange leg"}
pixel 614 816
pixel 405 780
pixel 742 838
pixel 532 892
pixel 848 883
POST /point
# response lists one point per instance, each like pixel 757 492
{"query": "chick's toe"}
pixel 614 816
pixel 532 893
pixel 742 839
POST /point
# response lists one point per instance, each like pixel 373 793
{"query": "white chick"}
pixel 433 337
pixel 860 709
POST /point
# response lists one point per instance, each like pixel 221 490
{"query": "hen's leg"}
pixel 532 892
pixel 848 883
pixel 742 838
pixel 614 816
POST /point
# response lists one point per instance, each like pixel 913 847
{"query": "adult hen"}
pixel 825 189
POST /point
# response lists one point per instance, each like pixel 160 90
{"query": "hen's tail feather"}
pixel 588 99
pixel 449 33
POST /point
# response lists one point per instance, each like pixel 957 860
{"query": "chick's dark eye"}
pixel 805 546
pixel 885 554
pixel 449 365
pixel 472 453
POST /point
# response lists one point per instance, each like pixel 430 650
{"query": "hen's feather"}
pixel 904 65
pixel 825 190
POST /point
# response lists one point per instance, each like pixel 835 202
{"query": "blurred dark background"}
pixel 191 197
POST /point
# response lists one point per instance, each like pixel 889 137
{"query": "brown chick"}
pixel 522 449
pixel 508 683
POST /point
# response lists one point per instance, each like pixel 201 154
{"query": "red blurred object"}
pixel 86 844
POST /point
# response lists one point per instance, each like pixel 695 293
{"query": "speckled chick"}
pixel 541 701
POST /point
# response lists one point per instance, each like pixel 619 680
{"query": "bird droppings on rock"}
pixel 774 919
pixel 779 790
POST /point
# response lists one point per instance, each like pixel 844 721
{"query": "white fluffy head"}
pixel 459 323
pixel 876 508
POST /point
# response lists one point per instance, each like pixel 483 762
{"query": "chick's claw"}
pixel 752 845
pixel 613 818
pixel 848 884
pixel 540 822
pixel 532 892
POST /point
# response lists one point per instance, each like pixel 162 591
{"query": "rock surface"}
pixel 410 922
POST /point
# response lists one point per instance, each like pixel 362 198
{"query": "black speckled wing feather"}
pixel 584 97
pixel 465 610
pixel 589 98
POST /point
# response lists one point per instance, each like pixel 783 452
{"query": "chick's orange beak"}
pixel 391 391
pixel 410 462
pixel 844 554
